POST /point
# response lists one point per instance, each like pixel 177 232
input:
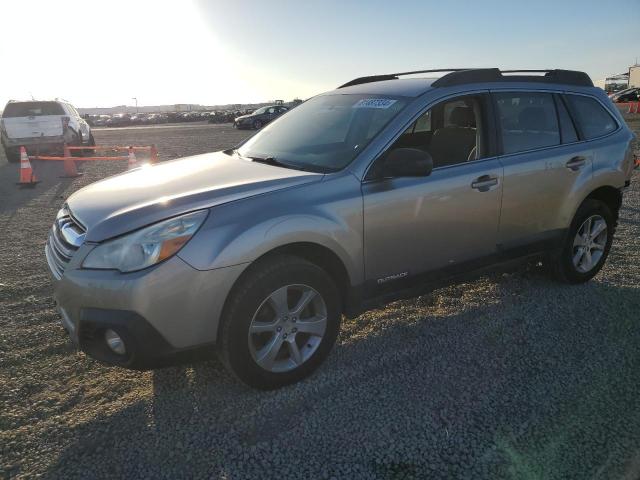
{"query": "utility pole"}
pixel 134 98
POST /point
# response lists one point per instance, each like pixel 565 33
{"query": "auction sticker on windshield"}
pixel 374 103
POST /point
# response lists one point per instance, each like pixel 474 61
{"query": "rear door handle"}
pixel 576 163
pixel 484 183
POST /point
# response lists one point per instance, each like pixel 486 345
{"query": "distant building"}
pixel 613 83
pixel 634 76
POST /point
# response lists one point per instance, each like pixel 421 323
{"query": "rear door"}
pixel 33 119
pixel 543 163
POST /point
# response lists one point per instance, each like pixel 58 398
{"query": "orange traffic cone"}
pixel 27 177
pixel 69 165
pixel 154 154
pixel 133 161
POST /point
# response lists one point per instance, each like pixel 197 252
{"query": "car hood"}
pixel 242 117
pixel 146 195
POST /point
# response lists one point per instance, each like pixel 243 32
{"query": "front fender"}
pixel 328 214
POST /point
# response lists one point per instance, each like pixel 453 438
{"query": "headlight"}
pixel 147 246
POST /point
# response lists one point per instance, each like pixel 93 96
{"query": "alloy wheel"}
pixel 287 328
pixel 589 243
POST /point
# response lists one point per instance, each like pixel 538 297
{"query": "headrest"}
pixel 463 117
pixel 533 118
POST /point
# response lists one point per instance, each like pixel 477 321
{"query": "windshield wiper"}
pixel 294 166
pixel 274 162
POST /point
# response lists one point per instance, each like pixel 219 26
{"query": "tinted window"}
pixel 527 120
pixel 567 129
pixel 592 119
pixel 423 124
pixel 32 109
pixel 451 132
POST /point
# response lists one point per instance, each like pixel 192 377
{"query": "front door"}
pixel 421 224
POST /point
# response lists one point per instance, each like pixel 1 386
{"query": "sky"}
pixel 104 53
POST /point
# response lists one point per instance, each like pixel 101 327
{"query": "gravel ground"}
pixel 508 376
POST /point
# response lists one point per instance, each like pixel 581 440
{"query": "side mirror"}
pixel 407 162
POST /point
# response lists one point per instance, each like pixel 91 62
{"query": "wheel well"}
pixel 321 256
pixel 314 253
pixel 610 196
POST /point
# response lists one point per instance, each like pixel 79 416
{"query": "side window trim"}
pixel 560 101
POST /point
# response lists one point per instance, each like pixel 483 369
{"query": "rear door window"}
pixel 528 120
pixel 592 118
pixel 32 109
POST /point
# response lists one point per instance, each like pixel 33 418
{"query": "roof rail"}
pixel 567 77
pixel 461 76
pixel 394 76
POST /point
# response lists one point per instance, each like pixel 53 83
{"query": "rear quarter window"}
pixel 592 118
pixel 32 109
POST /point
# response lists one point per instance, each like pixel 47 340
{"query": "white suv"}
pixel 41 127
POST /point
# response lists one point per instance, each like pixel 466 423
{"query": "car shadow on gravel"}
pixel 48 174
pixel 520 388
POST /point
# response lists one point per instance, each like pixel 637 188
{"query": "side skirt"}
pixel 370 295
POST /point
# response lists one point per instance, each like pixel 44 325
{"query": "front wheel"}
pixel 257 125
pixel 587 244
pixel 280 322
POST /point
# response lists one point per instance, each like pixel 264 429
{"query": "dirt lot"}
pixel 509 376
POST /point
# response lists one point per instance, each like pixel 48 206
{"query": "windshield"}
pixel 325 133
pixel 261 110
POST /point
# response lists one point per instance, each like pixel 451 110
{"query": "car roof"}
pixel 37 101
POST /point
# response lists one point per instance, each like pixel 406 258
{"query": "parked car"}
pixel 119 120
pixel 156 118
pixel 260 117
pixel 628 95
pixel 138 119
pixel 100 120
pixel 375 191
pixel 41 126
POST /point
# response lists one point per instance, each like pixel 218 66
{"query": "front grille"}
pixel 65 238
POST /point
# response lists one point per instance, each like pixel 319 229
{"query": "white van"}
pixel 41 127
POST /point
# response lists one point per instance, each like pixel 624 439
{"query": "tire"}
pixel 257 124
pixel 89 152
pixel 566 269
pixel 251 307
pixel 12 154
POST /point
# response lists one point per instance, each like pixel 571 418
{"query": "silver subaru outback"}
pixel 377 190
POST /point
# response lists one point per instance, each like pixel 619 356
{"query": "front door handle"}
pixel 576 163
pixel 484 183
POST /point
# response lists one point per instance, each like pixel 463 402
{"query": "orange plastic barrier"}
pixel 633 107
pixel 27 177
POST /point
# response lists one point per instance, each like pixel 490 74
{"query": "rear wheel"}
pixel 90 152
pixel 280 322
pixel 587 244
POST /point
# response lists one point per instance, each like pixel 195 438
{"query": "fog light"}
pixel 116 344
